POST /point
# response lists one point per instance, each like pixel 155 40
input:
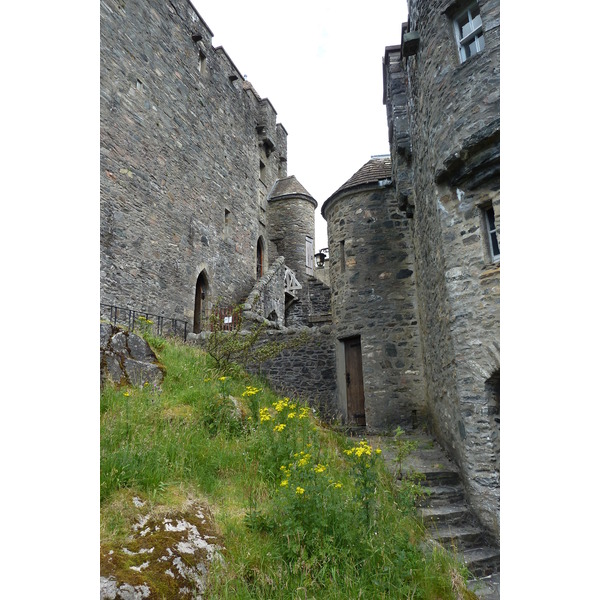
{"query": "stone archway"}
pixel 260 258
pixel 200 301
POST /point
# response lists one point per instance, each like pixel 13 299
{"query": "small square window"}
pixel 468 29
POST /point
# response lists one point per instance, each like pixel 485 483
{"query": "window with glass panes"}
pixel 469 32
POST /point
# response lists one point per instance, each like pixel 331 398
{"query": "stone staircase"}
pixel 445 512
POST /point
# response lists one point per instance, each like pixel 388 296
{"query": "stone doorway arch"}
pixel 260 257
pixel 200 301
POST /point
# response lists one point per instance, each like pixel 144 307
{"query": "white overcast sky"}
pixel 320 65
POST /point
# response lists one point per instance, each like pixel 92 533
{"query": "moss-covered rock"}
pixel 166 555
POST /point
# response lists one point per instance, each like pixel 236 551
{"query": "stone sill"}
pixel 319 318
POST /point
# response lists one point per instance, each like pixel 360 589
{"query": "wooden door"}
pixel 355 393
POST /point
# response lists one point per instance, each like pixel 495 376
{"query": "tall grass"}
pixel 303 512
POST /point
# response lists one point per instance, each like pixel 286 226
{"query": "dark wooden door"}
pixel 355 392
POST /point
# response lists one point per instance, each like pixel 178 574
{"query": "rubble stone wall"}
pixel 183 137
pixel 451 161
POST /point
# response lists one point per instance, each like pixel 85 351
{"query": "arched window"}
pixel 260 257
pixel 200 302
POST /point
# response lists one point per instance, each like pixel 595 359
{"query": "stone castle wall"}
pixel 313 306
pixel 189 152
pixel 307 371
pixel 374 296
pixel 444 132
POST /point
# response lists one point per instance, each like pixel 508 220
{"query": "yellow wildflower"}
pixel 304 460
pixel 283 483
pixel 291 415
pixel 222 378
pixel 251 391
pixel 299 490
pixel 280 427
pixel 319 468
pixel 338 485
pixel 303 414
pixel 264 415
pixel 378 451
pixel 126 394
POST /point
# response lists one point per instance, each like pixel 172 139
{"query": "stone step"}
pixel 441 495
pixel 445 514
pixel 436 477
pixel 486 588
pixel 460 537
pixel 482 561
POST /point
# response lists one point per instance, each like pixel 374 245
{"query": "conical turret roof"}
pixel 379 168
pixel 289 186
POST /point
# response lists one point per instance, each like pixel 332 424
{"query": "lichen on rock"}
pixel 169 558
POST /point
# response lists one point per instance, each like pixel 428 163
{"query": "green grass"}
pixel 301 512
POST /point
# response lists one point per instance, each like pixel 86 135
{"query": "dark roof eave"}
pixel 294 195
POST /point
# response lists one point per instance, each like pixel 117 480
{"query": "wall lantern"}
pixel 320 257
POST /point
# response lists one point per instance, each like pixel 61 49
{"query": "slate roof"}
pixel 375 170
pixel 288 186
pixel 371 172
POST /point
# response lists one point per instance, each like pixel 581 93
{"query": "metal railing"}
pixel 128 317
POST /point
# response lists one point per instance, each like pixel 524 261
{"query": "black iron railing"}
pixel 130 318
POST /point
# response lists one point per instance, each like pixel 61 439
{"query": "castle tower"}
pixel 291 226
pixel 373 298
pixel 442 92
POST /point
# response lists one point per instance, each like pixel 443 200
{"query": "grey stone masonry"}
pixel 267 298
pixel 306 371
pixel 444 140
pixel 189 153
pixel 372 274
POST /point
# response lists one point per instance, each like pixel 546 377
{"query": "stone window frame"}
pixel 474 34
pixel 488 221
pixel 227 223
pixel 342 245
pixel 310 249
pixel 201 62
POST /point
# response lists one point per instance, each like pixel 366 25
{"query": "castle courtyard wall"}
pixel 453 155
pixel 183 137
pixel 372 274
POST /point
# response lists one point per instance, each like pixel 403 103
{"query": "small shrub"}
pixel 403 448
pixel 234 345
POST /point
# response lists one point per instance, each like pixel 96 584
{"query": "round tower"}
pixel 373 298
pixel 291 226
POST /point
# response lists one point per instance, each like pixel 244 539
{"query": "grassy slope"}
pixel 300 512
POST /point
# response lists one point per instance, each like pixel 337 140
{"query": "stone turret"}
pixel 373 300
pixel 291 225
